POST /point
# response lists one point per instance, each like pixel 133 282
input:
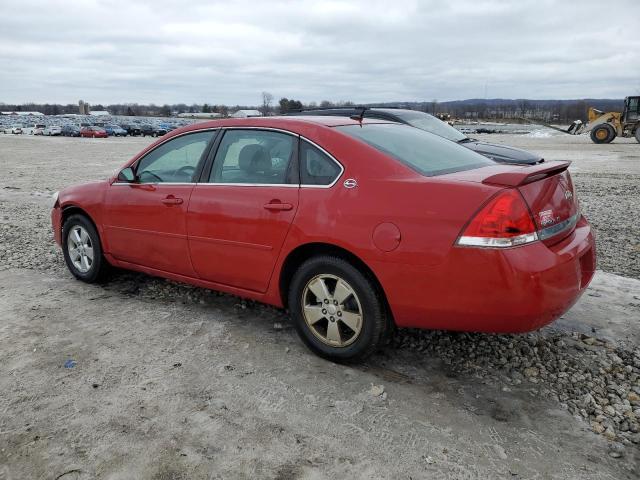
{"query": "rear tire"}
pixel 338 311
pixel 82 249
pixel 603 133
pixel 638 134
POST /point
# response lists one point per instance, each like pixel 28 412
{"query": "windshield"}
pixel 426 153
pixel 427 122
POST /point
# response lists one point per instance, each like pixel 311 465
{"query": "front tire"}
pixel 603 133
pixel 338 310
pixel 638 134
pixel 82 249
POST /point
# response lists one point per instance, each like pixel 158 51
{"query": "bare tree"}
pixel 523 107
pixel 267 99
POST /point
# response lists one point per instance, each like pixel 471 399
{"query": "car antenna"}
pixel 359 117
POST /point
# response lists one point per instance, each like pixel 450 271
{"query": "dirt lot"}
pixel 144 378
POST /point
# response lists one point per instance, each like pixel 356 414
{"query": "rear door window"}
pixel 259 157
pixel 424 152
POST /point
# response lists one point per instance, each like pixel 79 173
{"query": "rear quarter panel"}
pixel 429 212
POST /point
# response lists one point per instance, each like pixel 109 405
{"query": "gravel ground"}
pixel 593 379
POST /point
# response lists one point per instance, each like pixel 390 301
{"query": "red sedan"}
pixel 93 132
pixel 354 226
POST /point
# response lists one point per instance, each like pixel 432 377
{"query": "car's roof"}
pixel 284 122
pixel 388 110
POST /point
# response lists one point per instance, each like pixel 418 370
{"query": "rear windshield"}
pixel 425 152
pixel 431 124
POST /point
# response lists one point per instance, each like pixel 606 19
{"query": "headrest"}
pixel 254 158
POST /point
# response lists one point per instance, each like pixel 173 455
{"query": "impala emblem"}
pixel 546 218
pixel 568 195
pixel 350 183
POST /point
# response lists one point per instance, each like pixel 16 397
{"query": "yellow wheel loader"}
pixel 605 126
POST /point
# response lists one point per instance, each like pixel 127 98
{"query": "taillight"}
pixel 503 222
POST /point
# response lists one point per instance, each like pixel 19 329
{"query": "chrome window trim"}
pixel 330 157
pixel 289 185
pixel 222 184
pixel 154 183
pixel 198 130
pixel 273 129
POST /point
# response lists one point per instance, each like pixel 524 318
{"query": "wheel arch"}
pixel 300 254
pixel 69 210
pixel 72 209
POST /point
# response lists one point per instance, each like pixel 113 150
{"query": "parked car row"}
pixel 13 129
pixel 71 126
pixel 52 131
pixel 33 129
pixel 115 131
pixel 92 131
pixel 70 131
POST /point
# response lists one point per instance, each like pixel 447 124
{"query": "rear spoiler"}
pixel 529 174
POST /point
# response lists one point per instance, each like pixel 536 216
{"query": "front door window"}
pixel 174 161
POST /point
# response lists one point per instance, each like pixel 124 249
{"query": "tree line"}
pixel 561 111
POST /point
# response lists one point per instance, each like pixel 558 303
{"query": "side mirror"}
pixel 127 175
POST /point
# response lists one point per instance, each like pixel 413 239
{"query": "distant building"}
pixel 246 114
pixel 83 108
pixel 23 114
pixel 200 115
pixel 99 113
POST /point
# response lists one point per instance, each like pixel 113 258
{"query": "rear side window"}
pixel 316 168
pixel 424 152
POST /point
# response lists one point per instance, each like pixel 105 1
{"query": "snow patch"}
pixel 541 133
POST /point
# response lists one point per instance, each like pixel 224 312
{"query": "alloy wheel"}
pixel 80 249
pixel 332 310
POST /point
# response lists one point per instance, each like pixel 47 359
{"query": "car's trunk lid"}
pixel 547 188
pixel 554 205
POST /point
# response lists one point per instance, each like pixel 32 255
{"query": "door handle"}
pixel 278 206
pixel 171 200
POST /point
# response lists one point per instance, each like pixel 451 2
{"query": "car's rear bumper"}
pixel 493 290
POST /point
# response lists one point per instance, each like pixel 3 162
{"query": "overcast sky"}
pixel 170 51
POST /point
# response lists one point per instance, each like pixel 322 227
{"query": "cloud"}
pixel 366 51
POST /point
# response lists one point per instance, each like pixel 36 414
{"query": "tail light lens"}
pixel 503 222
